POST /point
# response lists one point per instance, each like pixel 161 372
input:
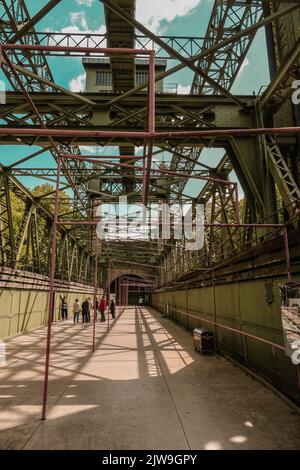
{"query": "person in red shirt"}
pixel 102 307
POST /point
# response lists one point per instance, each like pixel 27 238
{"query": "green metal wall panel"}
pixel 250 306
pixel 25 310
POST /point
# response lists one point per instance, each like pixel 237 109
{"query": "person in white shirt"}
pixel 76 311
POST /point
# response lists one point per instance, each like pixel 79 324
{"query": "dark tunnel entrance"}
pixel 131 290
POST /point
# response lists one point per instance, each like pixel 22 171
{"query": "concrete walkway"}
pixel 144 388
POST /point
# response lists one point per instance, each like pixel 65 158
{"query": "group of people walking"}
pixel 86 308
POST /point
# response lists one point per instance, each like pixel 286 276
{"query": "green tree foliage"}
pixel 48 201
pixel 44 223
pixel 18 208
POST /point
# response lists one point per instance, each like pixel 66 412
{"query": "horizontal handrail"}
pixel 242 333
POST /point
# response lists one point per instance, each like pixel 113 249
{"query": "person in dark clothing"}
pixel 90 309
pixel 85 308
pixel 64 308
pixel 97 307
pixel 112 308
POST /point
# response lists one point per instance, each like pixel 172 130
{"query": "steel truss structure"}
pixel 223 55
pixel 56 233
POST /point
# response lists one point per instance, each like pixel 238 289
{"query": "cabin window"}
pixel 103 77
pixel 141 77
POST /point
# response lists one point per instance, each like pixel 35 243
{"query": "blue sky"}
pixel 170 17
pixel 167 17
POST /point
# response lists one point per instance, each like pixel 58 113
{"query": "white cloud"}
pixel 109 150
pixel 88 3
pixel 85 149
pixel 78 83
pixel 245 64
pixel 78 19
pixel 152 13
pixel 183 89
pixel 79 24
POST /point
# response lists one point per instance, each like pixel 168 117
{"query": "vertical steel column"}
pixel 213 285
pixel 95 293
pixel 151 128
pixel 108 295
pixel 51 291
pixel 287 254
pixel 187 308
pixel 270 42
pixel 123 295
pixel 238 217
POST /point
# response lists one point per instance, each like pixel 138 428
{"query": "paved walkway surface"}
pixel 144 388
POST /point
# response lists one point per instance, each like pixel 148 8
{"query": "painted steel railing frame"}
pixel 149 138
pixel 146 174
pixel 147 135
